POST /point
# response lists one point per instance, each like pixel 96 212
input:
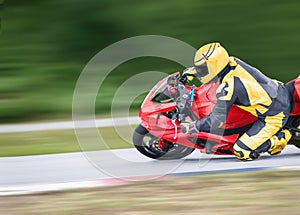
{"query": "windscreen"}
pixel 167 91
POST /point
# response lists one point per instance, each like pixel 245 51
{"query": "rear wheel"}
pixel 296 134
pixel 147 144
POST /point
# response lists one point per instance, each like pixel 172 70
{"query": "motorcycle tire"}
pixel 147 144
pixel 296 135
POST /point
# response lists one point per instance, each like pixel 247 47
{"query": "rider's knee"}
pixel 244 153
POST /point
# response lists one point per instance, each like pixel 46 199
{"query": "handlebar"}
pixel 183 79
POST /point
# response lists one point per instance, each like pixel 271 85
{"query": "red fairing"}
pixel 156 115
pixel 155 120
pixel 151 113
pixel 296 94
pixel 206 100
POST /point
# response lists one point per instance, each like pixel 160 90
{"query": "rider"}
pixel 246 87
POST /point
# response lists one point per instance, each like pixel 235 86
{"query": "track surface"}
pixel 73 167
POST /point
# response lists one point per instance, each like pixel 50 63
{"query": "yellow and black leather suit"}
pixel 268 99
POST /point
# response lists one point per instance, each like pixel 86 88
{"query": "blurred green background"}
pixel 46 44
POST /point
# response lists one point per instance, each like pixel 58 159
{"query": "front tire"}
pixel 147 144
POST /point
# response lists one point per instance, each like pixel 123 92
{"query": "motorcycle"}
pixel 159 135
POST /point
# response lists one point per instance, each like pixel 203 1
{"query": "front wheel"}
pixel 147 144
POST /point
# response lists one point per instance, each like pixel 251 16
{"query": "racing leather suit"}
pixel 268 99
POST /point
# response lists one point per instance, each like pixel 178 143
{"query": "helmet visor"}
pixel 201 70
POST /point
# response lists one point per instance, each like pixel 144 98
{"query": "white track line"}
pixel 42 188
pixel 99 123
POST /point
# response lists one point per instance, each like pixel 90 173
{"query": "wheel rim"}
pixel 296 124
pixel 150 144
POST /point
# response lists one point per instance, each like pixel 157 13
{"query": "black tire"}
pixel 147 144
pixel 296 135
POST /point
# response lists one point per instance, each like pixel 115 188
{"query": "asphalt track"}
pixel 40 173
pixel 27 174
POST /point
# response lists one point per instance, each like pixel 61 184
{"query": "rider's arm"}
pixel 189 73
pixel 225 98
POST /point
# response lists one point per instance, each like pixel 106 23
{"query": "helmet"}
pixel 209 61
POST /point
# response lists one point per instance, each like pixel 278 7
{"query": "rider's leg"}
pixel 264 135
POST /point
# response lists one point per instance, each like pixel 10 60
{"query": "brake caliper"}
pixel 165 145
pixel 161 144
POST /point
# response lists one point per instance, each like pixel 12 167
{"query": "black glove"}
pixel 189 127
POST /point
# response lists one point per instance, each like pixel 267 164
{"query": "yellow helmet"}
pixel 209 61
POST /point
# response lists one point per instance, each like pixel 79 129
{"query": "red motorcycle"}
pixel 159 135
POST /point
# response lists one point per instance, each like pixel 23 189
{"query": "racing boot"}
pixel 279 141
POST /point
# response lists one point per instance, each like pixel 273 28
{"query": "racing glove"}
pixel 188 127
pixel 189 73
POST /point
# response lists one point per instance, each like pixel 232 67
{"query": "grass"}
pixel 56 141
pixel 266 192
pixel 43 54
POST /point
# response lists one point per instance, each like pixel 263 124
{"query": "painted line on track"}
pixel 54 187
pixel 42 188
